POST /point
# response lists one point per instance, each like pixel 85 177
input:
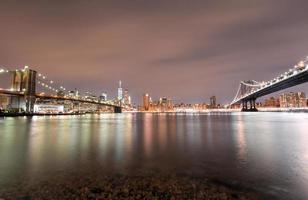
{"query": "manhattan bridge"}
pixel 28 86
pixel 249 91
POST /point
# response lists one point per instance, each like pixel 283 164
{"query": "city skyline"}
pixel 156 47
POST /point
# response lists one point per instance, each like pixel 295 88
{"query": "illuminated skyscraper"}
pixel 120 91
pixel 103 97
pixel 213 102
pixel 146 102
pixel 126 97
pixel 293 100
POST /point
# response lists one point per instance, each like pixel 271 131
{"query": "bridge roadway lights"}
pixel 251 108
pixel 117 109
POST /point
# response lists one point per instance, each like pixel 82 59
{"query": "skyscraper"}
pixel 293 100
pixel 146 102
pixel 126 97
pixel 103 96
pixel 120 91
pixel 213 102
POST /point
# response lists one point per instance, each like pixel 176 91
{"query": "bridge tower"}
pixel 117 109
pixel 24 81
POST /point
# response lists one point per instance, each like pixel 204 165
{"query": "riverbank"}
pixel 126 187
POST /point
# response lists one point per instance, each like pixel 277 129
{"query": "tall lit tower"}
pixel 146 102
pixel 120 91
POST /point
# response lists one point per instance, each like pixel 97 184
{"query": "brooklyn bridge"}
pixel 28 86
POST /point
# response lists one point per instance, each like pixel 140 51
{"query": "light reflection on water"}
pixel 265 151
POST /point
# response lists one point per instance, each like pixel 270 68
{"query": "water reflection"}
pixel 265 151
pixel 241 139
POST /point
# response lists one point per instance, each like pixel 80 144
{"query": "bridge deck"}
pixel 16 93
pixel 293 80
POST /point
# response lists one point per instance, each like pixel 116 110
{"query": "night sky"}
pixel 186 50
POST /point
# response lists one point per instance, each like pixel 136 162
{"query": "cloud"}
pixel 187 50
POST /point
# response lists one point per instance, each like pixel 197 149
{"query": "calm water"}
pixel 266 152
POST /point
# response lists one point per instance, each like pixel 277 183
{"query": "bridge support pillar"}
pixel 244 105
pixel 24 81
pixel 252 105
pixel 117 109
pixel 30 90
pixel 30 101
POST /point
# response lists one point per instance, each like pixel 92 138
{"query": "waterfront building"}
pixel 297 100
pixel 120 91
pixel 213 102
pixel 3 102
pixel 45 108
pixel 146 102
pixel 60 93
pixel 272 102
pixel 163 103
pixel 126 99
pixel 73 93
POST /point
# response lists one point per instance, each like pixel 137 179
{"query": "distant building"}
pixel 213 102
pixel 3 102
pixel 169 104
pixel 60 93
pixel 120 91
pixel 297 100
pixel 103 96
pixel 272 102
pixel 73 93
pixel 126 99
pixel 163 103
pixel 146 102
pixel 44 108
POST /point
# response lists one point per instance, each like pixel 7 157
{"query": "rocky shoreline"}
pixel 125 187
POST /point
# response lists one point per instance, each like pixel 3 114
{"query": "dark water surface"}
pixel 265 152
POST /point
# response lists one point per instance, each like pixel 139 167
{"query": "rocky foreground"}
pixel 124 187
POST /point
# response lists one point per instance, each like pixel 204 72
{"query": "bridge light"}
pixel 44 77
pixel 51 82
pixel 39 74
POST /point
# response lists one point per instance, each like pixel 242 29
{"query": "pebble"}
pixel 123 187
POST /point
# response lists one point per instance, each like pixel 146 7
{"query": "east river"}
pixel 265 154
